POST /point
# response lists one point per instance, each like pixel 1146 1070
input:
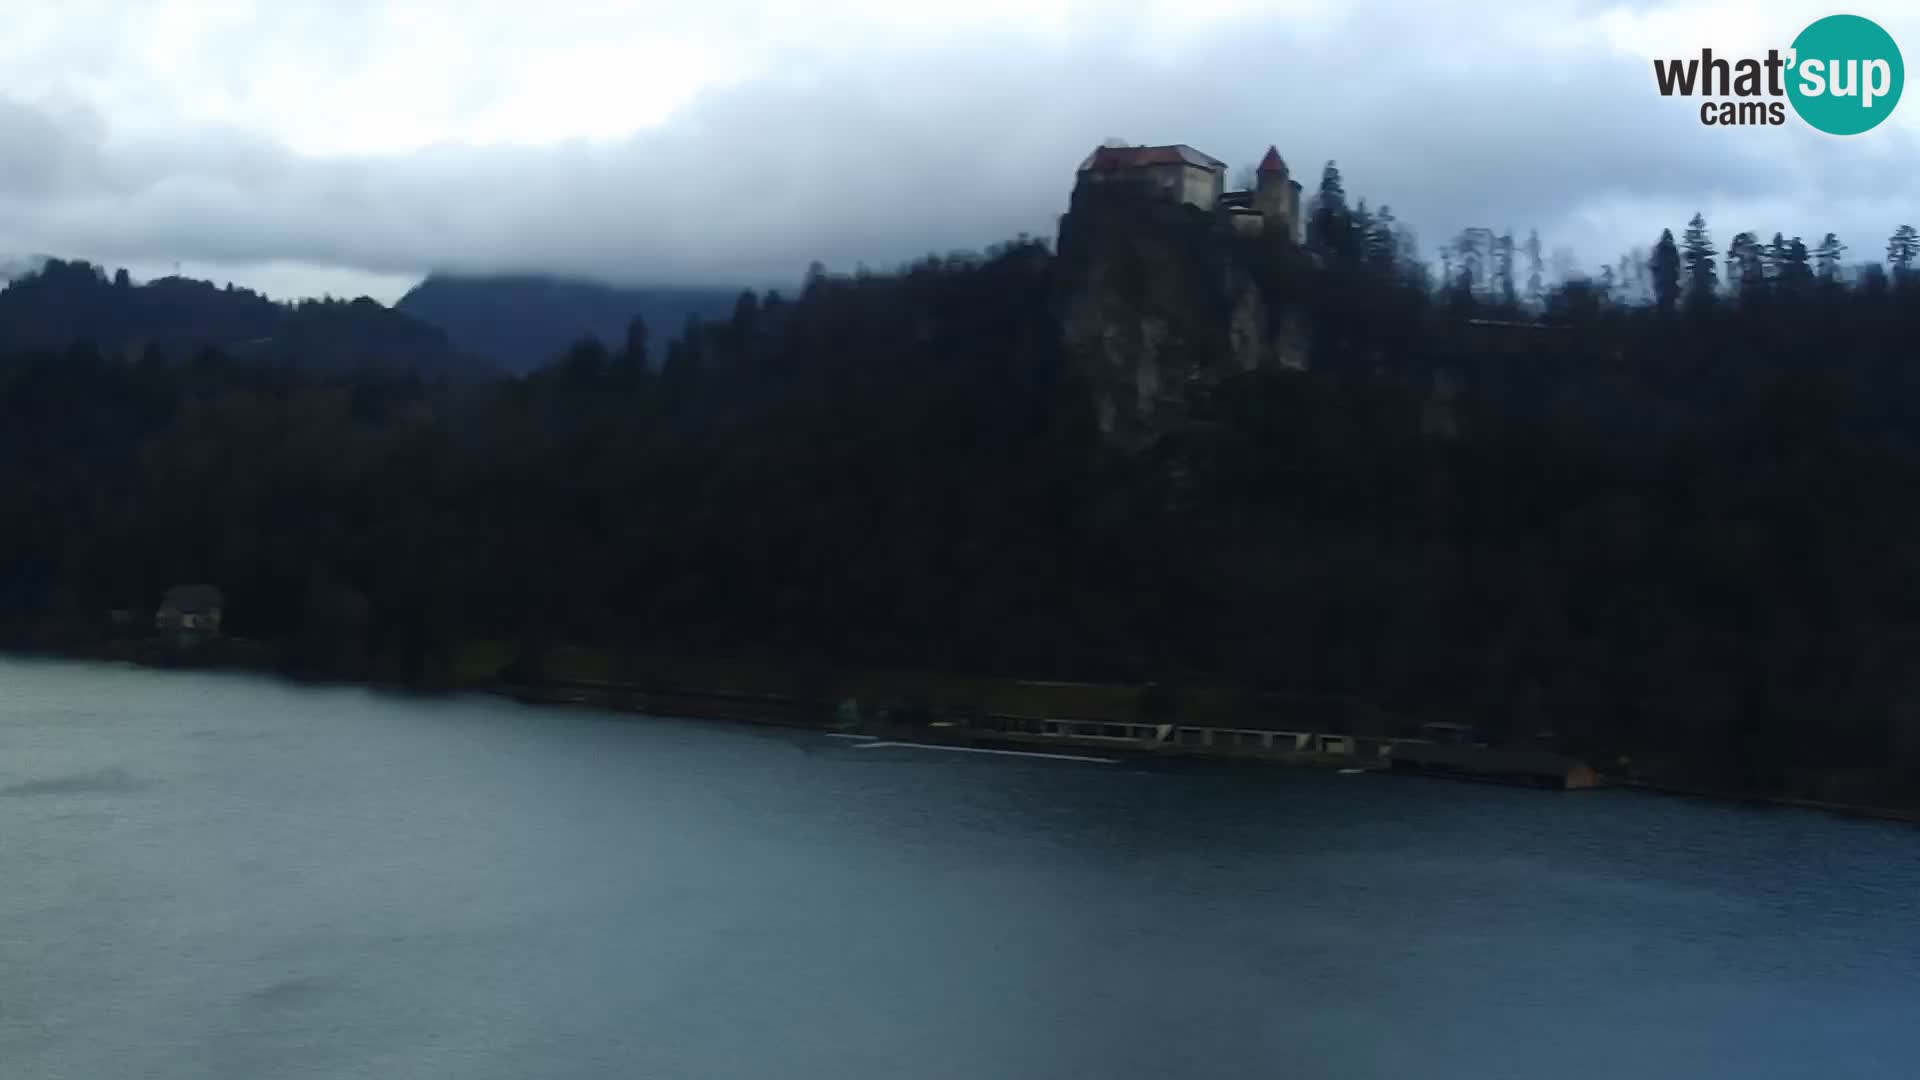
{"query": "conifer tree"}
pixel 1903 250
pixel 1504 260
pixel 635 353
pixel 1533 266
pixel 1796 270
pixel 1359 229
pixel 1827 258
pixel 1697 251
pixel 1746 266
pixel 1383 241
pixel 1775 258
pixel 1665 268
pixel 1328 232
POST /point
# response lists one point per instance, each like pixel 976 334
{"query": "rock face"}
pixel 1157 304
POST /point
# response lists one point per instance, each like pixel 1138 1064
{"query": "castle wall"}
pixel 1201 187
pixel 1278 200
pixel 1270 197
pixel 1162 180
pixel 1171 181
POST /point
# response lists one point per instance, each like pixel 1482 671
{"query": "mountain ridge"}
pixel 521 321
pixel 59 303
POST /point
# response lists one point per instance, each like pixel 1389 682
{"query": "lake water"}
pixel 221 876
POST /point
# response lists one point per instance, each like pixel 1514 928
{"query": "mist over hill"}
pixel 19 266
pixel 522 321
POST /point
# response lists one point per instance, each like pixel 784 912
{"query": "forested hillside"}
pixel 58 303
pixel 1676 529
pixel 521 321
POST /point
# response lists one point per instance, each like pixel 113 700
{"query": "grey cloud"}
pixel 46 150
pixel 897 156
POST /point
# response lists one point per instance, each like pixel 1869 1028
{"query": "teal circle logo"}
pixel 1846 75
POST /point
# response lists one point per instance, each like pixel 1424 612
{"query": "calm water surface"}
pixel 214 876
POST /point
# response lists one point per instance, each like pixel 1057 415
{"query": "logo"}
pixel 1842 75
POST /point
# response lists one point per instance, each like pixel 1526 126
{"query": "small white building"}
pixel 190 609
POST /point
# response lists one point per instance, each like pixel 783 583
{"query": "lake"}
pixel 224 876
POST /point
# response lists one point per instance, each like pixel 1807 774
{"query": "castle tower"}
pixel 1277 196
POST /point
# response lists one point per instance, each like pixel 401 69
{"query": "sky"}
pixel 348 147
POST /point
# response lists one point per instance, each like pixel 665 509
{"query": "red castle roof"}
pixel 1131 157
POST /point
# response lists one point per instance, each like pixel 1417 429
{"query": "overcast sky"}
pixel 349 146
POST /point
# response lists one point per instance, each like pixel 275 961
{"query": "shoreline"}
pixel 1688 791
pixel 762 709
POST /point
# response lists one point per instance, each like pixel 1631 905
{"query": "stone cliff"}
pixel 1157 303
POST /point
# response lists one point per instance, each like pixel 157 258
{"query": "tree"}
pixel 746 310
pixel 1503 248
pixel 1627 275
pixel 1775 258
pixel 1796 271
pixel 1383 241
pixel 586 361
pixel 1903 249
pixel 1665 268
pixel 629 367
pixel 1533 266
pixel 1475 251
pixel 1697 252
pixel 1406 249
pixel 815 281
pixel 1827 258
pixel 1747 266
pixel 685 360
pixel 635 353
pixel 1640 263
pixel 1328 229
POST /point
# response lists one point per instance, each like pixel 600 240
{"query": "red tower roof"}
pixel 1272 162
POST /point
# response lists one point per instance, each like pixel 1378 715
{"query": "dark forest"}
pixel 1680 527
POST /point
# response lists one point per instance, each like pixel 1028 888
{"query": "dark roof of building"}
pixel 1133 157
pixel 194 599
pixel 1272 162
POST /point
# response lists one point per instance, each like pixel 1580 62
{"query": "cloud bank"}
pixel 364 143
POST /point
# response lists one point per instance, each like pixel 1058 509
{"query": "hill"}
pixel 63 302
pixel 522 321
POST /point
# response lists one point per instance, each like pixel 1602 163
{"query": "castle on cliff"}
pixel 1180 174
